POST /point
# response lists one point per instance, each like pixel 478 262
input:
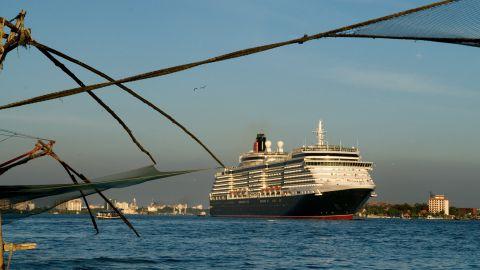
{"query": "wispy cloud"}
pixel 385 80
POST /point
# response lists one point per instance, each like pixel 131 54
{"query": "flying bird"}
pixel 199 88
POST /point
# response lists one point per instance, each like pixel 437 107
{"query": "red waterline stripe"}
pixel 333 217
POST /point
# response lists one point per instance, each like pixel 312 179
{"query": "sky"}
pixel 411 106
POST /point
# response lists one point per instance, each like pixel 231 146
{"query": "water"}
pixel 68 242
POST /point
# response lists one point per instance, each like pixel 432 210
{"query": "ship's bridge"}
pixel 326 147
pixel 323 151
pixel 327 152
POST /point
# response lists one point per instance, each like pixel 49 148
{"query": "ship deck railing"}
pixel 338 148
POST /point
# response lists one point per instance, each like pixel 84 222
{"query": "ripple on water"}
pixel 210 243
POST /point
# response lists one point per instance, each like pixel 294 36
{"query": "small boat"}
pixel 202 214
pixel 108 215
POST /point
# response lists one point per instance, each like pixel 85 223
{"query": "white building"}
pixel 128 208
pixel 122 205
pixel 96 206
pixel 180 209
pixel 72 205
pixel 437 204
pixel 134 205
pixel 24 206
pixel 152 208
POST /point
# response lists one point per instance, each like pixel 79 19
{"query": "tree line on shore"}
pixel 417 210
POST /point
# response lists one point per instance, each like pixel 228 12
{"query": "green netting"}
pixel 450 21
pixel 15 200
pixel 456 21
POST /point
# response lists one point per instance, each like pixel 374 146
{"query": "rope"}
pixel 241 53
pixel 8 137
pixel 134 94
pixel 74 180
pixel 41 149
pixel 99 101
pixel 21 135
pixel 47 148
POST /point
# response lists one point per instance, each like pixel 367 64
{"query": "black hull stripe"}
pixel 333 217
pixel 333 203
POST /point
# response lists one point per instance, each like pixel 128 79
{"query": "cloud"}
pixel 394 81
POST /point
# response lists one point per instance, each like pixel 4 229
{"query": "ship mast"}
pixel 320 133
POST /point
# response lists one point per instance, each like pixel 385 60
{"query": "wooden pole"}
pixel 131 92
pixel 2 25
pixel 2 266
pixel 11 247
pixel 223 57
pixel 85 179
pixel 98 100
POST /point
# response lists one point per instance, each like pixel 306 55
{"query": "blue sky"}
pixel 412 106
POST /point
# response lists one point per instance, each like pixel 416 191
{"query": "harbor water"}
pixel 69 242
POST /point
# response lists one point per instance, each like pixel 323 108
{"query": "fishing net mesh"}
pixel 450 21
pixel 22 201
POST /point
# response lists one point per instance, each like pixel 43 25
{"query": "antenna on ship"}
pixel 320 133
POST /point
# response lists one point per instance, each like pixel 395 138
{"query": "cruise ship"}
pixel 317 181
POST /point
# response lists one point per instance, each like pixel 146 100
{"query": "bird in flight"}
pixel 199 88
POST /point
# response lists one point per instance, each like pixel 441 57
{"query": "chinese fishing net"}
pixel 22 201
pixel 451 21
pixel 454 21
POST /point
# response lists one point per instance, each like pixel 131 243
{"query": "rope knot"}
pixel 25 37
pixel 303 39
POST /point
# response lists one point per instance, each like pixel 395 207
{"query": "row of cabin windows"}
pixel 351 164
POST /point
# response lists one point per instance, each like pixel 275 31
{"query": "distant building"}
pixel 180 209
pixel 122 205
pixel 96 206
pixel 106 206
pixel 72 205
pixel 128 208
pixel 134 205
pixel 438 204
pixel 24 206
pixel 152 208
pixel 5 204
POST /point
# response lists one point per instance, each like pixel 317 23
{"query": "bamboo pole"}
pixel 16 35
pixel 223 57
pixel 2 24
pixel 99 101
pixel 3 35
pixel 10 249
pixel 2 265
pixel 125 220
pixel 74 180
pixel 86 180
pixel 131 92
